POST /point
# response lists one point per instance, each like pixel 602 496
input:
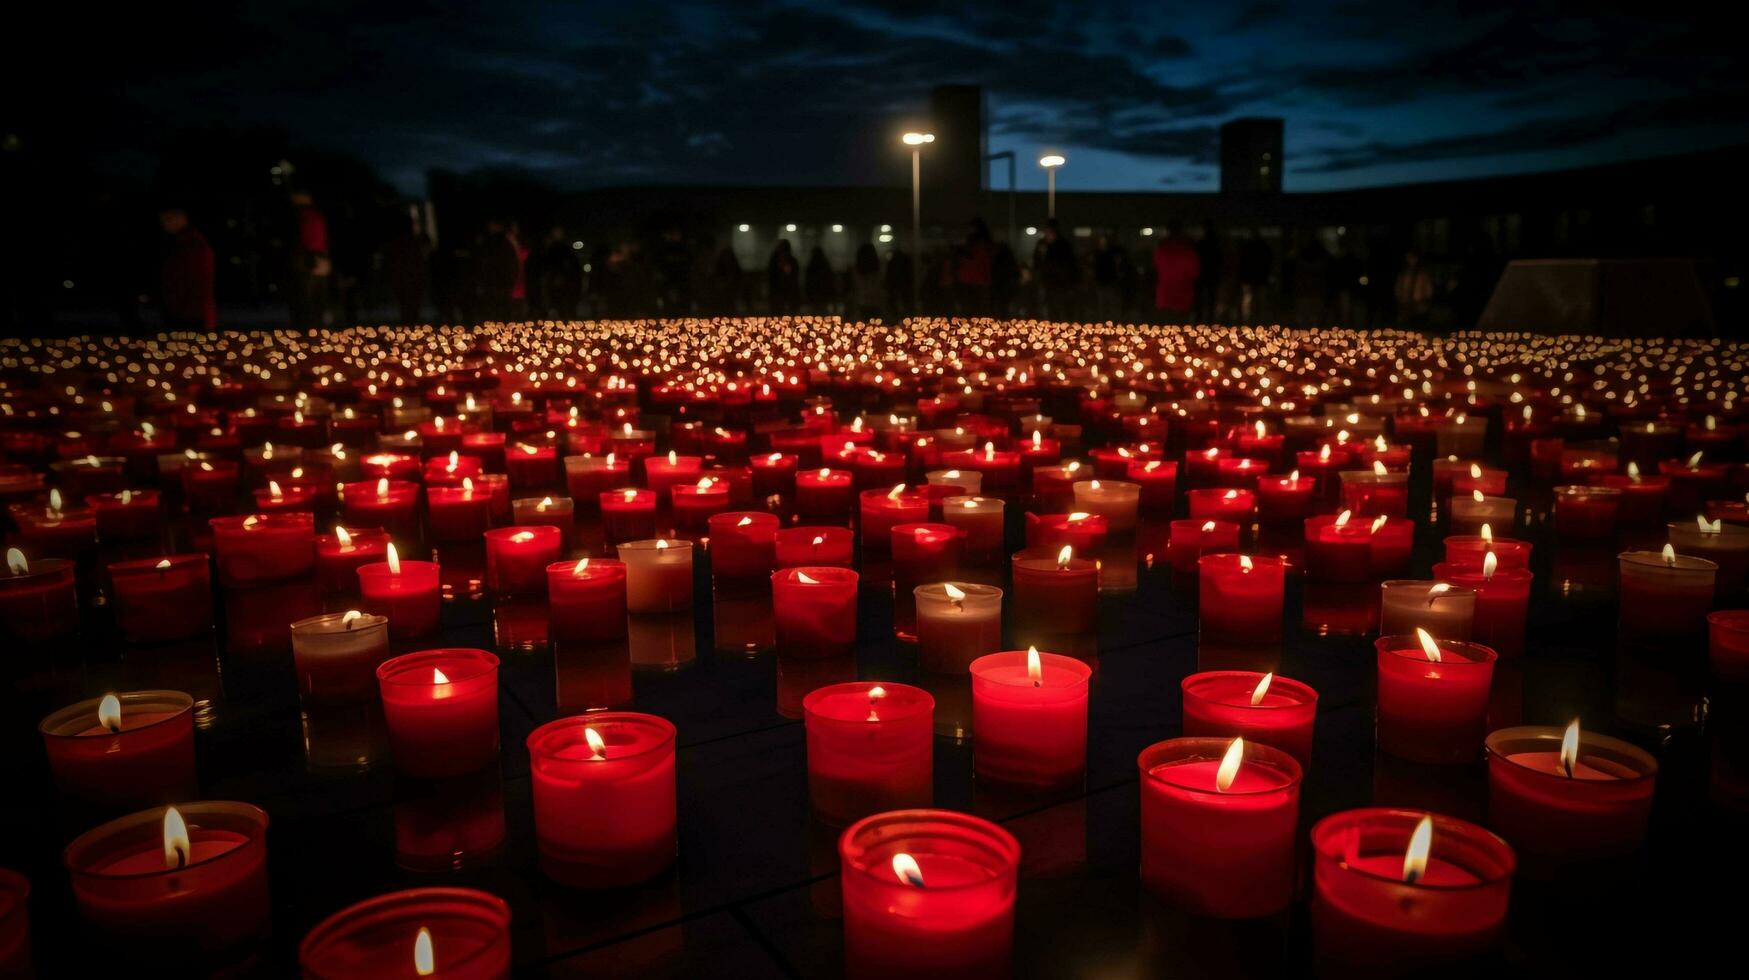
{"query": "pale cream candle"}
pixel 980 518
pixel 658 575
pixel 971 481
pixel 1115 500
pixel 1442 609
pixel 957 622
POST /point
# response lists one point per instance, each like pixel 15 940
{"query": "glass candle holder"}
pixel 1115 500
pixel 1369 494
pixel 1031 723
pixel 1469 514
pixel 1664 595
pixel 880 509
pixel 1725 545
pixel 142 756
pixel 814 609
pixel 604 806
pixel 658 575
pixel 441 707
pixel 957 622
pixel 157 600
pixel 1190 540
pixel 259 549
pixel 15 958
pixel 517 558
pixel 871 748
pixel 1432 711
pixel 1225 704
pixel 1502 603
pixel 337 655
pixel 1470 551
pixel 743 547
pixel 1055 592
pixel 980 520
pixel 811 545
pixel 1240 598
pixel 1585 513
pixel 559 512
pixel 408 593
pixel 199 908
pixel 960 922
pixel 1445 610
pixel 1728 647
pixel 465 932
pixel 338 558
pixel 1554 819
pixel 1367 919
pixel 586 600
pixel 1224 852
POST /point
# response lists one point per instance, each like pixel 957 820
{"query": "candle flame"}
pixel 1037 438
pixel 1244 563
pixel 661 544
pixel 1475 472
pixel 804 578
pixel 893 494
pixel 876 693
pixel 455 460
pixel 1079 515
pixel 176 847
pixel 1714 527
pixel 1570 747
pixel 825 472
pixel 1487 536
pixel 1208 526
pixel 597 747
pixel 1489 565
pixel 1261 429
pixel 352 616
pixel 1438 589
pixel 1670 555
pixel 743 522
pixel 1324 453
pixel 952 474
pixel 163 564
pixel 274 491
pixel 251 521
pixel 1378 523
pixel 1293 477
pixel 705 483
pixel 522 537
pixel 438 676
pixel 631 495
pixel 1262 688
pixel 393 558
pixel 109 712
pixel 1231 495
pixel 1229 769
pixel 16 562
pixel 1420 846
pixel 1694 461
pixel 1065 556
pixel 54 502
pixel 1034 670
pixel 382 488
pixel 1343 518
pixel 819 539
pixel 1476 495
pixel 1378 467
pixel 1428 645
pixel 906 870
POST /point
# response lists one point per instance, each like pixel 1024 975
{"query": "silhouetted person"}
pixel 497 266
pixel 821 283
pixel 519 287
pixel 1414 292
pixel 185 283
pixel 1004 279
pixel 783 280
pixel 1176 270
pixel 1256 264
pixel 1208 284
pixel 673 271
pixel 866 296
pixel 899 282
pixel 1108 263
pixel 971 273
pixel 726 283
pixel 407 263
pixel 1310 283
pixel 312 264
pixel 1053 262
pixel 558 274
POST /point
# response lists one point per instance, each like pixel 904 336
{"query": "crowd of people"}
pixel 498 274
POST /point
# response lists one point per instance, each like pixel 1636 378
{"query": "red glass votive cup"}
pixel 1224 853
pixel 146 760
pixel 1433 712
pixel 517 558
pixel 960 923
pixel 40 603
pixel 1366 920
pixel 604 816
pixel 157 600
pixel 15 958
pixel 1219 704
pixel 586 600
pixel 441 707
pixel 1502 604
pixel 810 545
pixel 1188 541
pixel 469 932
pixel 259 549
pixel 337 564
pixel 1240 598
pixel 1663 598
pixel 1585 512
pixel 207 912
pixel 1031 731
pixel 628 515
pixel 814 609
pixel 337 655
pixel 1553 820
pixel 1728 648
pixel 743 546
pixel 1055 595
pixel 411 597
pixel 871 748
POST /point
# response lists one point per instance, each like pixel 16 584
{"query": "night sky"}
pixel 588 95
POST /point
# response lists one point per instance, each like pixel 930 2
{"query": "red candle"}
pixel 1261 708
pixel 956 622
pixel 392 505
pixel 814 608
pixel 1338 549
pixel 823 493
pixel 694 504
pixel 263 548
pixel 628 515
pixel 1663 595
pixel 1432 697
pixel 1398 892
pixel 588 477
pixel 1502 602
pixel 38 600
pixel 927 893
pixel 814 546
pixel 1055 593
pixel 394 467
pixel 209 486
pixel 604 798
pixel 1728 646
pixel 881 509
pixel 1239 473
pixel 53 531
pixel 517 558
pixel 1190 540
pixel 405 591
pixel 162 599
pixel 441 707
pixel 1218 820
pixel 1241 598
pixel 123 751
pixel 1563 797
pixel 184 887
pixel 664 472
pixel 337 655
pixel 871 748
pixel 1369 493
pixel 1642 498
pixel 742 546
pixel 1158 480
pixel 586 600
pixel 126 515
pixel 453 933
pixel 339 555
pixel 277 499
pixel 458 515
pixel 1080 530
pixel 1470 550
pixel 1284 500
pixel 1586 513
pixel 1053 487
pixel 774 475
pixel 532 467
pixel 1029 710
pixel 539 511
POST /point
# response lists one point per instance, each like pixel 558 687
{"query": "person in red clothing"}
pixel 312 264
pixel 1176 268
pixel 185 289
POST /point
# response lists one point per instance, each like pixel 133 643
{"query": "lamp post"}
pixel 1051 161
pixel 916 142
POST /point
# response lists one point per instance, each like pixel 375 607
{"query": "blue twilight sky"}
pixel 590 94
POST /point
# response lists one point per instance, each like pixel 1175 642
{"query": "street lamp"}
pixel 1051 161
pixel 916 141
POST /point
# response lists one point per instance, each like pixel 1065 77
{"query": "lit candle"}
pixel 957 622
pixel 1284 500
pixel 392 505
pixel 658 575
pixel 1563 797
pixel 1397 892
pixel 1261 708
pixel 586 600
pixel 339 555
pixel 517 558
pixel 1055 593
pixel 459 514
pixel 531 467
pixel 1218 821
pixel 1728 647
pixel 1369 493
pixel 157 600
pixel 1584 513
pixel 808 545
pixel 1190 540
pixel 1470 551
pixel 1432 697
pixel 814 608
pixel 1115 500
pixel 980 520
pixel 260 549
pixel 823 493
pixel 588 477
pixel 1725 545
pixel 453 933
pixel 405 591
pixel 557 512
pixel 743 547
pixel 1240 598
pixel 628 515
pixel 1080 530
pixel 1029 710
pixel 1441 608
pixel 1339 548
pixel 336 656
pixel 123 751
pixel 881 509
pixel 871 749
pixel 927 893
pixel 604 798
pixel 1469 513
pixel 1664 594
pixel 694 504
pixel 1502 601
pixel 441 707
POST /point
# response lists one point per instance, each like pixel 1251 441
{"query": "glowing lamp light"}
pixel 917 139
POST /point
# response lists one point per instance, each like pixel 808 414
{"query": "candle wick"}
pixel 1411 875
